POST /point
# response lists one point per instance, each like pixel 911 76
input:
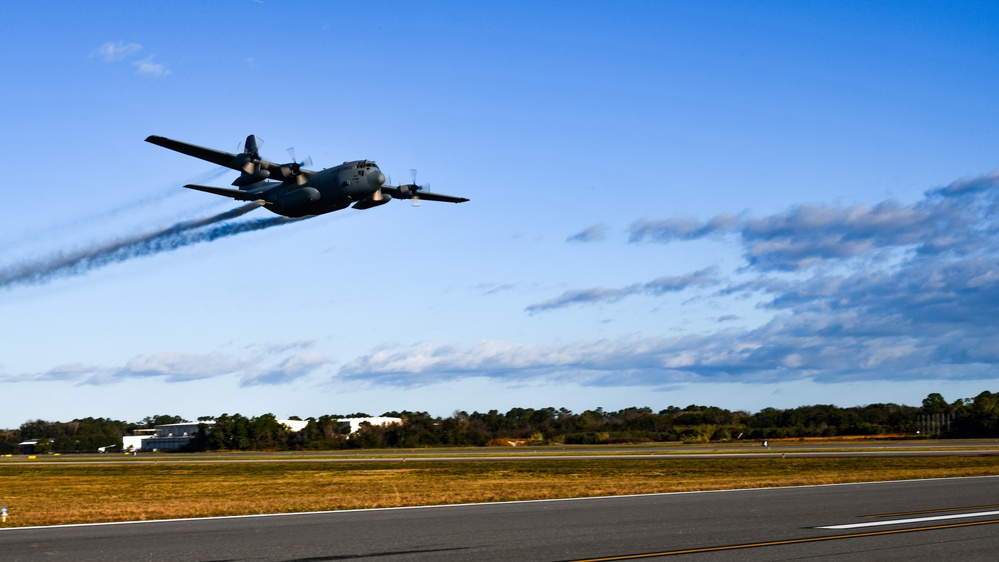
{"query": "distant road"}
pixel 924 520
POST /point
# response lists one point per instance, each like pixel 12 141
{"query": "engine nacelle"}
pixel 372 202
pixel 245 179
pixel 409 191
pixel 299 198
pixel 289 170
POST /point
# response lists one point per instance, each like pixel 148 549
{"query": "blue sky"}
pixel 731 203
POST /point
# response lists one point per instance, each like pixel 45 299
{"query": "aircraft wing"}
pixel 219 157
pixel 427 196
pixel 422 195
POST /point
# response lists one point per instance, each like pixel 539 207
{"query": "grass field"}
pixel 54 493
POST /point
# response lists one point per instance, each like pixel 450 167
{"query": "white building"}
pixel 294 426
pixel 166 437
pixel 355 423
pixel 134 442
pixel 174 436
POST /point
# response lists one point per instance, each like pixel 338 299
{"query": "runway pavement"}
pixel 955 519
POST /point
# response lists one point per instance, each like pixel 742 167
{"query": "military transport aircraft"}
pixel 292 191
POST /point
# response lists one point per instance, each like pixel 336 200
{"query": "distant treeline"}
pixel 963 418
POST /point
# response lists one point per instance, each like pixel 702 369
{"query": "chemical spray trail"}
pixel 106 215
pixel 149 200
pixel 124 249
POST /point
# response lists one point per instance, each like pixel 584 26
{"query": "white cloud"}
pixel 257 365
pixel 177 367
pixel 886 292
pixel 149 67
pixel 590 234
pixel 115 51
pixel 659 286
pixel 119 51
pixel 292 367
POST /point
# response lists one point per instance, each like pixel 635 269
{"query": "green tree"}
pixel 934 403
pixel 150 422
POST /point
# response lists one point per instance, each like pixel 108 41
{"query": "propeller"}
pixel 306 162
pixel 249 152
pixel 416 188
pixel 251 145
pixel 295 168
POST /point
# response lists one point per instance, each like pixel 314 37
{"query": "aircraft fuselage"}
pixel 328 190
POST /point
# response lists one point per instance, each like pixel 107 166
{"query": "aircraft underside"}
pixel 312 208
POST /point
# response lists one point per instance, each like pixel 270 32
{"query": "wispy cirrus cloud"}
pixel 489 288
pixel 149 67
pixel 256 365
pixel 679 228
pixel 951 218
pixel 295 366
pixel 658 286
pixel 115 51
pixel 590 234
pixel 881 292
pixel 120 51
pixel 423 364
pixel 826 348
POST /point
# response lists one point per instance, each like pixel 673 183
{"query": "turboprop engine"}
pixel 375 199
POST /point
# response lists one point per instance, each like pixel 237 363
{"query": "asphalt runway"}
pixel 956 519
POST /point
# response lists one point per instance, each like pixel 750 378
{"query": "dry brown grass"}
pixel 58 494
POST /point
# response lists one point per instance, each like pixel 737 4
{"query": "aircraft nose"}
pixel 377 179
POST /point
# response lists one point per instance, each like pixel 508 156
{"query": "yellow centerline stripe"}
pixel 787 541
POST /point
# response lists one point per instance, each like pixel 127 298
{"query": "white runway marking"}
pixel 907 521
